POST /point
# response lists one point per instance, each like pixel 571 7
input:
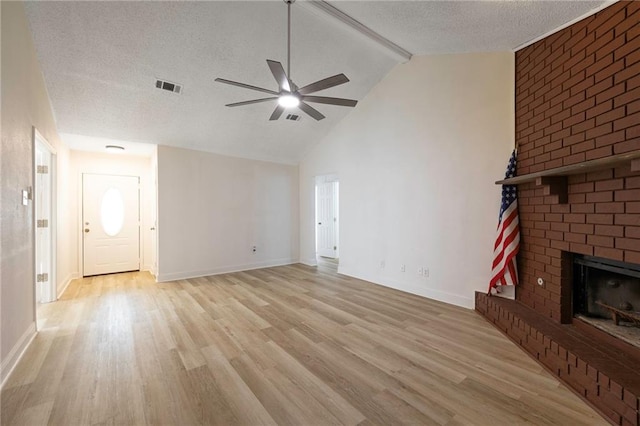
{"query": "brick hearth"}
pixel 606 377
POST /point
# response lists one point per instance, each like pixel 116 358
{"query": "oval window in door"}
pixel 112 212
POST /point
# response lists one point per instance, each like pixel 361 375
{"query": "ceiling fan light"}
pixel 289 101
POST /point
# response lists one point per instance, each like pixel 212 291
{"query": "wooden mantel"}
pixel 554 180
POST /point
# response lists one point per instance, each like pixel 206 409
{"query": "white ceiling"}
pixel 100 61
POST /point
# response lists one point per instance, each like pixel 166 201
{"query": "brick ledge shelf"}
pixel 607 378
pixel 554 181
pixel 611 162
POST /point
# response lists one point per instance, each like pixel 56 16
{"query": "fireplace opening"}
pixel 606 294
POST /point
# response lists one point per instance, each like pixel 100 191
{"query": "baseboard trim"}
pixel 150 269
pixel 17 352
pixel 172 276
pixel 441 296
pixel 67 281
pixel 310 262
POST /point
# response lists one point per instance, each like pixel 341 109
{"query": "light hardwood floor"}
pixel 286 345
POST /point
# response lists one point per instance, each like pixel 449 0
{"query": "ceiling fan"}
pixel 288 94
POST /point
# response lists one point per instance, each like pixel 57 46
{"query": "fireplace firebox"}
pixel 606 294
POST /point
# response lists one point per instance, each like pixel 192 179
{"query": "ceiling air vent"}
pixel 169 86
pixel 293 117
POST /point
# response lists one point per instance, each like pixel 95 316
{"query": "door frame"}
pixel 81 217
pixel 52 288
pixel 321 179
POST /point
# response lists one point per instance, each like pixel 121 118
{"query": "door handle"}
pixel 319 223
pixel 86 230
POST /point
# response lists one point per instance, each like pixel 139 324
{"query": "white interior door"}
pixel 154 221
pixel 45 280
pixel 110 224
pixel 327 217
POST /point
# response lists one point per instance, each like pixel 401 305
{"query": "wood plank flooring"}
pixel 290 345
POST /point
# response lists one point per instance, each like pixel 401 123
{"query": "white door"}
pixel 110 224
pixel 327 217
pixel 45 280
pixel 154 222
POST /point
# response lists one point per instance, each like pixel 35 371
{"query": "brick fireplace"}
pixel 577 100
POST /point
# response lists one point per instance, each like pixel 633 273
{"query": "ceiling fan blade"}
pixel 254 101
pixel 311 111
pixel 246 86
pixel 276 113
pixel 331 101
pixel 325 83
pixel 278 73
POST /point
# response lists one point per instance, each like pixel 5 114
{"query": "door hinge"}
pixel 42 278
pixel 335 247
pixel 42 170
pixel 42 223
pixel 335 219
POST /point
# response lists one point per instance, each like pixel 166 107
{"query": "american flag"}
pixel 505 271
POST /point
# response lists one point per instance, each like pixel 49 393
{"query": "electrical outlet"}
pixel 425 272
pixel 402 268
pixel 254 249
pixel 420 271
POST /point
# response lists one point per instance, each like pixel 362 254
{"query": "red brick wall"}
pixel 578 99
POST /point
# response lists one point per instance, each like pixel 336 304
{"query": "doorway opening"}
pixel 327 220
pixel 44 217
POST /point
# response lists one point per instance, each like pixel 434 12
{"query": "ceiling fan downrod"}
pixel 289 2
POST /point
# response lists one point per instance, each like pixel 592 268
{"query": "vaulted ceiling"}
pixel 101 59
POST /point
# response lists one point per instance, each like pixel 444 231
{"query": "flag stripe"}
pixel 505 256
pixel 513 234
pixel 510 249
pixel 511 228
pixel 507 224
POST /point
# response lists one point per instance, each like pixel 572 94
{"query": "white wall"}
pixel 212 209
pixel 25 104
pixel 112 164
pixel 417 160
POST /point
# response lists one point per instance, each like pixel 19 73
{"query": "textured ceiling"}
pixel 100 61
pixel 427 27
